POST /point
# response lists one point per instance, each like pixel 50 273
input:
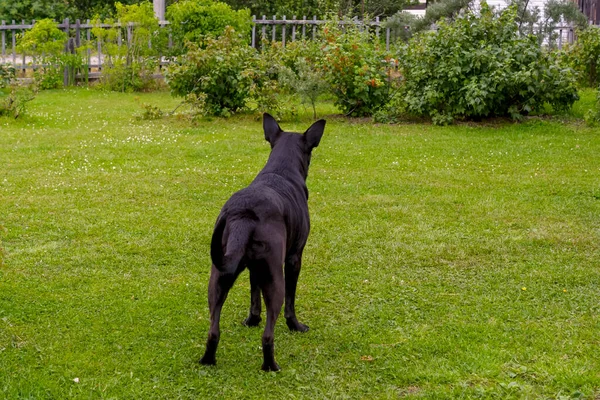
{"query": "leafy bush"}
pixel 191 20
pixel 584 56
pixel 479 66
pixel 531 21
pixel 46 42
pixel 353 65
pixel 305 81
pixel 7 75
pixel 131 67
pixel 592 117
pixel 13 100
pixel 220 68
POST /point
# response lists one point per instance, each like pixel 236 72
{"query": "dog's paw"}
pixel 270 367
pixel 296 326
pixel 208 360
pixel 252 320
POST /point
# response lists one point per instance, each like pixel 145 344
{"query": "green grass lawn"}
pixel 459 261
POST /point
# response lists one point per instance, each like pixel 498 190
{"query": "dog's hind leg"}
pixel 218 288
pixel 255 306
pixel 292 272
pixel 273 290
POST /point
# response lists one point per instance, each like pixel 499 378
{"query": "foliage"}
pixel 353 65
pixel 531 21
pixel 220 68
pixel 319 8
pixel 285 7
pixel 46 43
pixel 131 66
pixel 29 10
pixel 306 81
pixel 584 56
pixel 403 23
pixel 438 11
pixel 150 113
pixel 7 75
pixel 14 99
pixel 190 20
pixel 479 66
pixel 592 117
pixel 44 38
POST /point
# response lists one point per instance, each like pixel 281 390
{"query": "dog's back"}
pixel 275 203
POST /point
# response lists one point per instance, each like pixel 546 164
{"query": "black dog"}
pixel 264 227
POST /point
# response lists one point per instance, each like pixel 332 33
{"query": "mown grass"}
pixel 443 262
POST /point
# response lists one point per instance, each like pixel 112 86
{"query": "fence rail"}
pixel 263 30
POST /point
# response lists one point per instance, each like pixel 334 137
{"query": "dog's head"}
pixel 293 145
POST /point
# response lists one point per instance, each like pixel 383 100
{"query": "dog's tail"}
pixel 239 232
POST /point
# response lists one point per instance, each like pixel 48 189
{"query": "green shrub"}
pixel 584 56
pixel 13 100
pixel 191 20
pixel 221 68
pixel 354 66
pixel 479 66
pixel 592 117
pixel 304 80
pixel 131 67
pixel 7 75
pixel 45 42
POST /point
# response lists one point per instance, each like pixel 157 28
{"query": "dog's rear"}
pixel 229 243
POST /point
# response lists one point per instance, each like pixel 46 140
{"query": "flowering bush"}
pixel 355 67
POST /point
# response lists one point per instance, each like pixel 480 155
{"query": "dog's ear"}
pixel 314 133
pixel 271 128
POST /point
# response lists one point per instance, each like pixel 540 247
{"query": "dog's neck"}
pixel 288 164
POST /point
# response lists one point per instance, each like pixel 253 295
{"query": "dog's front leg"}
pixel 292 272
pixel 218 288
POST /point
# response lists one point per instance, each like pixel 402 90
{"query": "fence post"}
pixel 274 28
pixel 264 33
pixel 14 45
pixel 99 45
pixel 303 26
pixel 377 27
pixel 253 31
pixel 314 26
pixel 294 29
pixel 77 33
pixel 89 51
pixel 129 40
pixel 283 32
pixel 3 41
pixel 24 60
pixel 387 39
